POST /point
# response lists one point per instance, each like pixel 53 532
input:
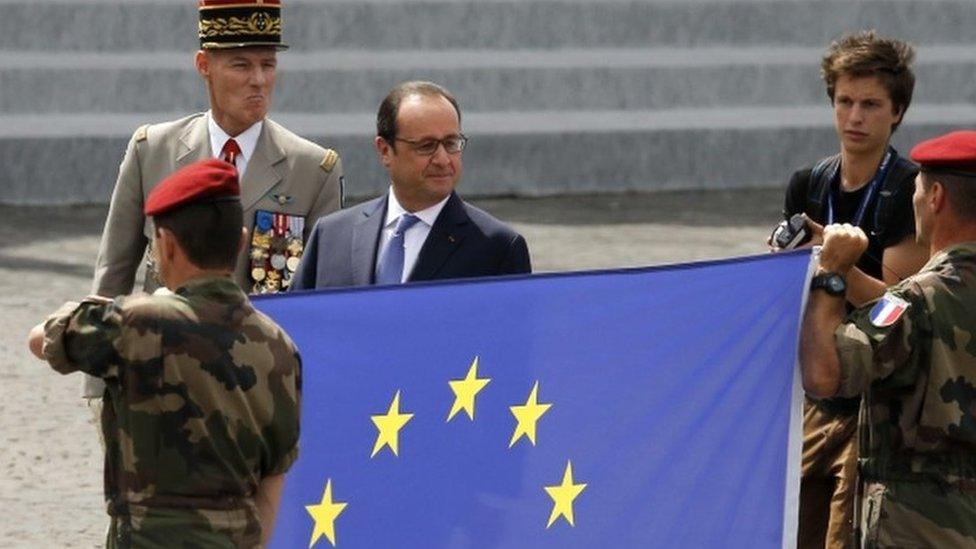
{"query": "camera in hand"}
pixel 791 233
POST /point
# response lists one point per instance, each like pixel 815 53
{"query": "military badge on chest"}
pixel 276 250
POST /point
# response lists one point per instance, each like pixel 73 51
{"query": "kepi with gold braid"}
pixel 240 23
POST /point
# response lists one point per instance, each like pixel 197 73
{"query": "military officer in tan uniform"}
pixel 287 182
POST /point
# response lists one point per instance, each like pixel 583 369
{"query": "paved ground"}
pixel 50 481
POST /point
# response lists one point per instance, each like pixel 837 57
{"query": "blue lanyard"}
pixel 879 177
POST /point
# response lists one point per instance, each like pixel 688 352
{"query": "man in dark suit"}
pixel 421 229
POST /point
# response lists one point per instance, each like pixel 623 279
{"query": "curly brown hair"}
pixel 866 54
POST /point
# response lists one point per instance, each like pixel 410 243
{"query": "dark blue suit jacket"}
pixel 464 242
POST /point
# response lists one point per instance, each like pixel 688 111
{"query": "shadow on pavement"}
pixel 22 225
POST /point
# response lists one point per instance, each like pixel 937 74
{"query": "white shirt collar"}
pixel 247 140
pixel 394 210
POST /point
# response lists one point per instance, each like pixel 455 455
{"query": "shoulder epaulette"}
pixel 141 133
pixel 329 162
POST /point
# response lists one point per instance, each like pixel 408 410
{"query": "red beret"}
pixel 205 179
pixel 954 151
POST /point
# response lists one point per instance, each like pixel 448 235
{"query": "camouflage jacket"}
pixel 917 375
pixel 202 403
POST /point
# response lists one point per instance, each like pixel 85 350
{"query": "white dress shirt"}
pixel 247 141
pixel 414 238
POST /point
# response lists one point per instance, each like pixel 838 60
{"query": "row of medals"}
pixel 274 260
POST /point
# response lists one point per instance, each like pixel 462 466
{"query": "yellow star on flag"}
pixel 528 415
pixel 563 496
pixel 325 514
pixel 465 390
pixel 389 426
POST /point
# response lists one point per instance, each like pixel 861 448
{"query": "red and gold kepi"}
pixel 240 24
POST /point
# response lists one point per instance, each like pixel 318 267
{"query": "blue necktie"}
pixel 390 269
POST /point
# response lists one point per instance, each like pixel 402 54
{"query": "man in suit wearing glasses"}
pixel 421 229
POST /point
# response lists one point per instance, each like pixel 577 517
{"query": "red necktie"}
pixel 230 151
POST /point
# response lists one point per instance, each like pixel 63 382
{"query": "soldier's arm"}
pixel 903 260
pixel 35 341
pixel 123 242
pixel 268 498
pixel 819 362
pixel 281 435
pixel 898 263
pixel 862 288
pixel 881 351
pixel 82 337
pixel 329 198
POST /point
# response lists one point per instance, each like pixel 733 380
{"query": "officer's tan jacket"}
pixel 286 174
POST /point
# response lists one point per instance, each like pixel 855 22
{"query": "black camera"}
pixel 790 234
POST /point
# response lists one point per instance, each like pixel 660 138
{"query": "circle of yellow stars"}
pixel 389 425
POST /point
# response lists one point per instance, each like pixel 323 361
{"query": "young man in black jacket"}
pixel 870 82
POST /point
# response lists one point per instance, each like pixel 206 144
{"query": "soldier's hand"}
pixel 35 341
pixel 843 245
pixel 816 232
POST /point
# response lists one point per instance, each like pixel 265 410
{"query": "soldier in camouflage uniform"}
pixel 202 402
pixel 911 355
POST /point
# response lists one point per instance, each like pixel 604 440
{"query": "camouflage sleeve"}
pixel 283 432
pixel 875 352
pixel 83 337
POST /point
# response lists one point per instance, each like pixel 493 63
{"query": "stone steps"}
pixel 141 25
pixel 354 81
pixel 559 96
pixel 499 123
pixel 511 153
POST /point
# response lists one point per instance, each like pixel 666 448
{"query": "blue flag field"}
pixel 642 408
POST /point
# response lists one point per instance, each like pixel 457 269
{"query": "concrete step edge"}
pixel 21 126
pixel 360 60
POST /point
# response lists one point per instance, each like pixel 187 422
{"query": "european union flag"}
pixel 636 408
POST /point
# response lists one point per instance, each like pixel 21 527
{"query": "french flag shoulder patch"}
pixel 888 310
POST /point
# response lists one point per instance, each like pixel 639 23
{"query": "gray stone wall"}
pixel 559 96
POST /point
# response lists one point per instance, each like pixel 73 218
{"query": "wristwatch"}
pixel 832 283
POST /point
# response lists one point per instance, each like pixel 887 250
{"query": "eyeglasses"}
pixel 427 147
